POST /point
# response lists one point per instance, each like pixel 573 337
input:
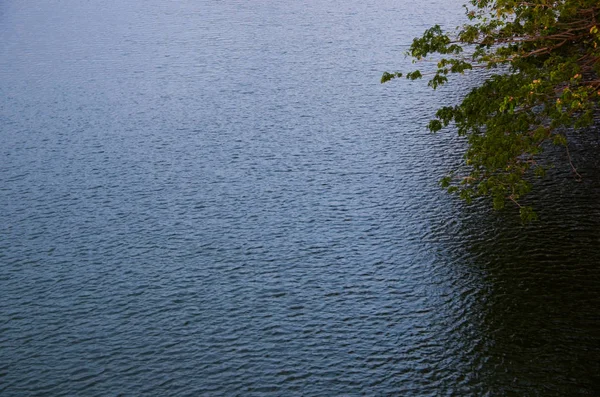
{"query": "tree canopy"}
pixel 544 80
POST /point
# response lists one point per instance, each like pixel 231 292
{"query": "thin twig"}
pixel 579 177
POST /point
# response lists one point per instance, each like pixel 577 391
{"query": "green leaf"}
pixel 543 78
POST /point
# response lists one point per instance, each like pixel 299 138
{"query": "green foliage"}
pixel 546 59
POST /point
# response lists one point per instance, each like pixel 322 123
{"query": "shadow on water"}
pixel 531 306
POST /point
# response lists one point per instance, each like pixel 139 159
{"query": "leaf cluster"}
pixel 544 58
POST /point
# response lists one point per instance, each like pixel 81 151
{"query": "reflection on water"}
pixel 534 303
pixel 219 198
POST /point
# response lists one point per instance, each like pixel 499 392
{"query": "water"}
pixel 219 198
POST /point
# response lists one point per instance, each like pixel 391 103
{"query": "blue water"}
pixel 219 198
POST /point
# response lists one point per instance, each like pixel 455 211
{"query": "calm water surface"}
pixel 219 198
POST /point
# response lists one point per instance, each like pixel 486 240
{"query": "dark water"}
pixel 219 198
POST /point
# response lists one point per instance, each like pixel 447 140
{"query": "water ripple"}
pixel 205 198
